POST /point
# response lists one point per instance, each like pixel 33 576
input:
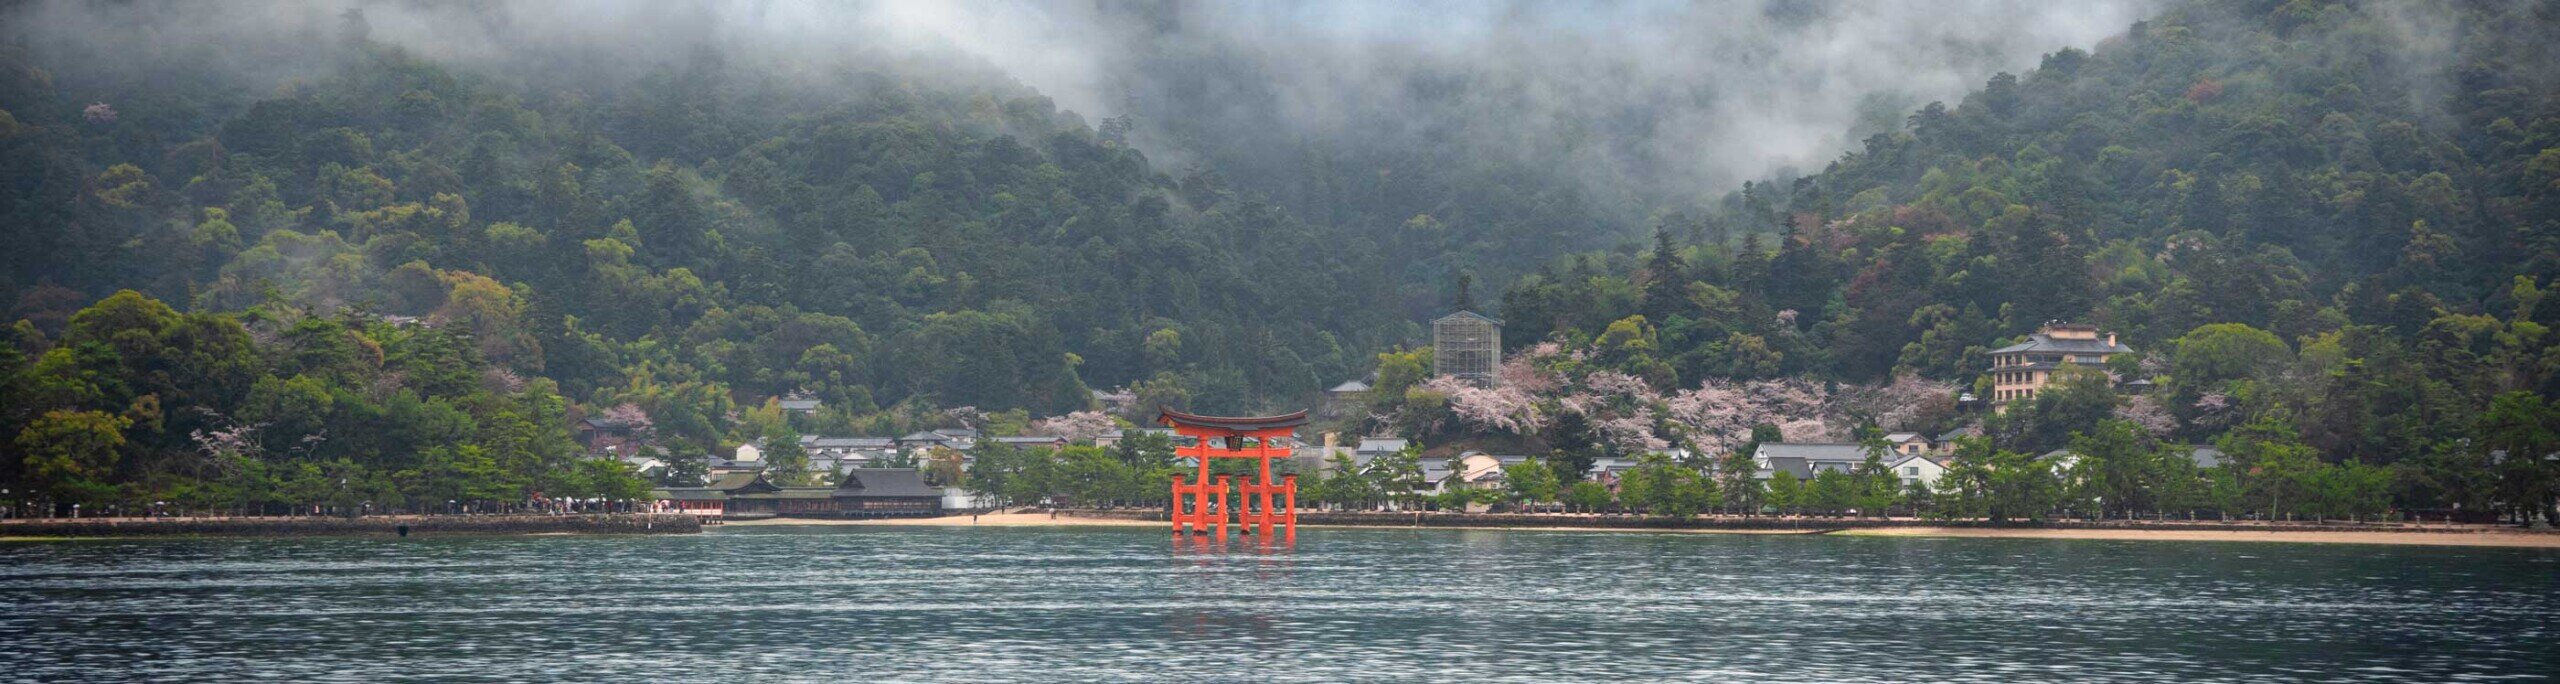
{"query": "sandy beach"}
pixel 985 520
pixel 2480 538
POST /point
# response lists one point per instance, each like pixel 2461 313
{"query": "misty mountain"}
pixel 885 204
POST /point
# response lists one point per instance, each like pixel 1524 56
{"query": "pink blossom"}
pixel 1720 414
pixel 1809 430
pixel 2147 412
pixel 1507 408
pixel 1522 372
pixel 99 113
pixel 1630 434
pixel 1617 385
pixel 1080 426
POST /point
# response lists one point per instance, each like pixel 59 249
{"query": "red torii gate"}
pixel 1225 437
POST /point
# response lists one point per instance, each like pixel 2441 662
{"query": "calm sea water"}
pixel 877 604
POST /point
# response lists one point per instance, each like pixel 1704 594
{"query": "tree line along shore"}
pixel 364 526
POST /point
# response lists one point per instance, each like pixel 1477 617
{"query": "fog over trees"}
pixel 438 222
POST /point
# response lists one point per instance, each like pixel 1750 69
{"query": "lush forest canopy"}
pixel 309 228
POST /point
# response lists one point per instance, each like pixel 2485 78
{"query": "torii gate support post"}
pixel 1224 482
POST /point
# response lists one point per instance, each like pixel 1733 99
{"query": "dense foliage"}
pixel 277 410
pixel 2290 210
pixel 2333 221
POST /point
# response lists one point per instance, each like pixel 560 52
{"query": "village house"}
pixel 1807 460
pixel 1918 469
pixel 1345 398
pixel 1609 471
pixel 596 432
pixel 923 440
pixel 1907 443
pixel 715 467
pixel 1946 444
pixel 1373 447
pixel 2018 371
pixel 799 405
pixel 849 452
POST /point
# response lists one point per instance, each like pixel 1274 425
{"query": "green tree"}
pixel 2277 470
pixel 71 455
pixel 1531 481
pixel 1833 492
pixel 786 462
pixel 2119 467
pixel 1786 492
pixel 1587 496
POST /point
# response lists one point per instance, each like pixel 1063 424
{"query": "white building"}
pixel 1919 469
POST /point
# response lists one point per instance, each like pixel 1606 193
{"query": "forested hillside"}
pixel 2366 189
pixel 2337 216
pixel 867 238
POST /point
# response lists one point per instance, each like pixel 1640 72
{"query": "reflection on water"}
pixel 845 603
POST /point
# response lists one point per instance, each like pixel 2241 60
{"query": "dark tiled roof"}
pixel 1794 465
pixel 2041 342
pixel 799 404
pixel 1373 445
pixel 733 482
pixel 903 482
pixel 1805 459
pixel 1813 451
pixel 849 442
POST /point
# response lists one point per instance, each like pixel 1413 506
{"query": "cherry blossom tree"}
pixel 1507 408
pixel 1080 426
pixel 2148 413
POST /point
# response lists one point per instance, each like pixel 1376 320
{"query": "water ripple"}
pixel 833 604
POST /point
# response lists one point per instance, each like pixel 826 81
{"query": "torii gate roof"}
pixel 1232 423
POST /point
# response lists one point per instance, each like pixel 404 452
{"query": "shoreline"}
pixel 400 526
pixel 2488 537
pixel 2515 539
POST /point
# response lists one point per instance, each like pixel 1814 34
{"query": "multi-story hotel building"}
pixel 2019 370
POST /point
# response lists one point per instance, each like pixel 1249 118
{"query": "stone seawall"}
pixel 1770 524
pixel 373 526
